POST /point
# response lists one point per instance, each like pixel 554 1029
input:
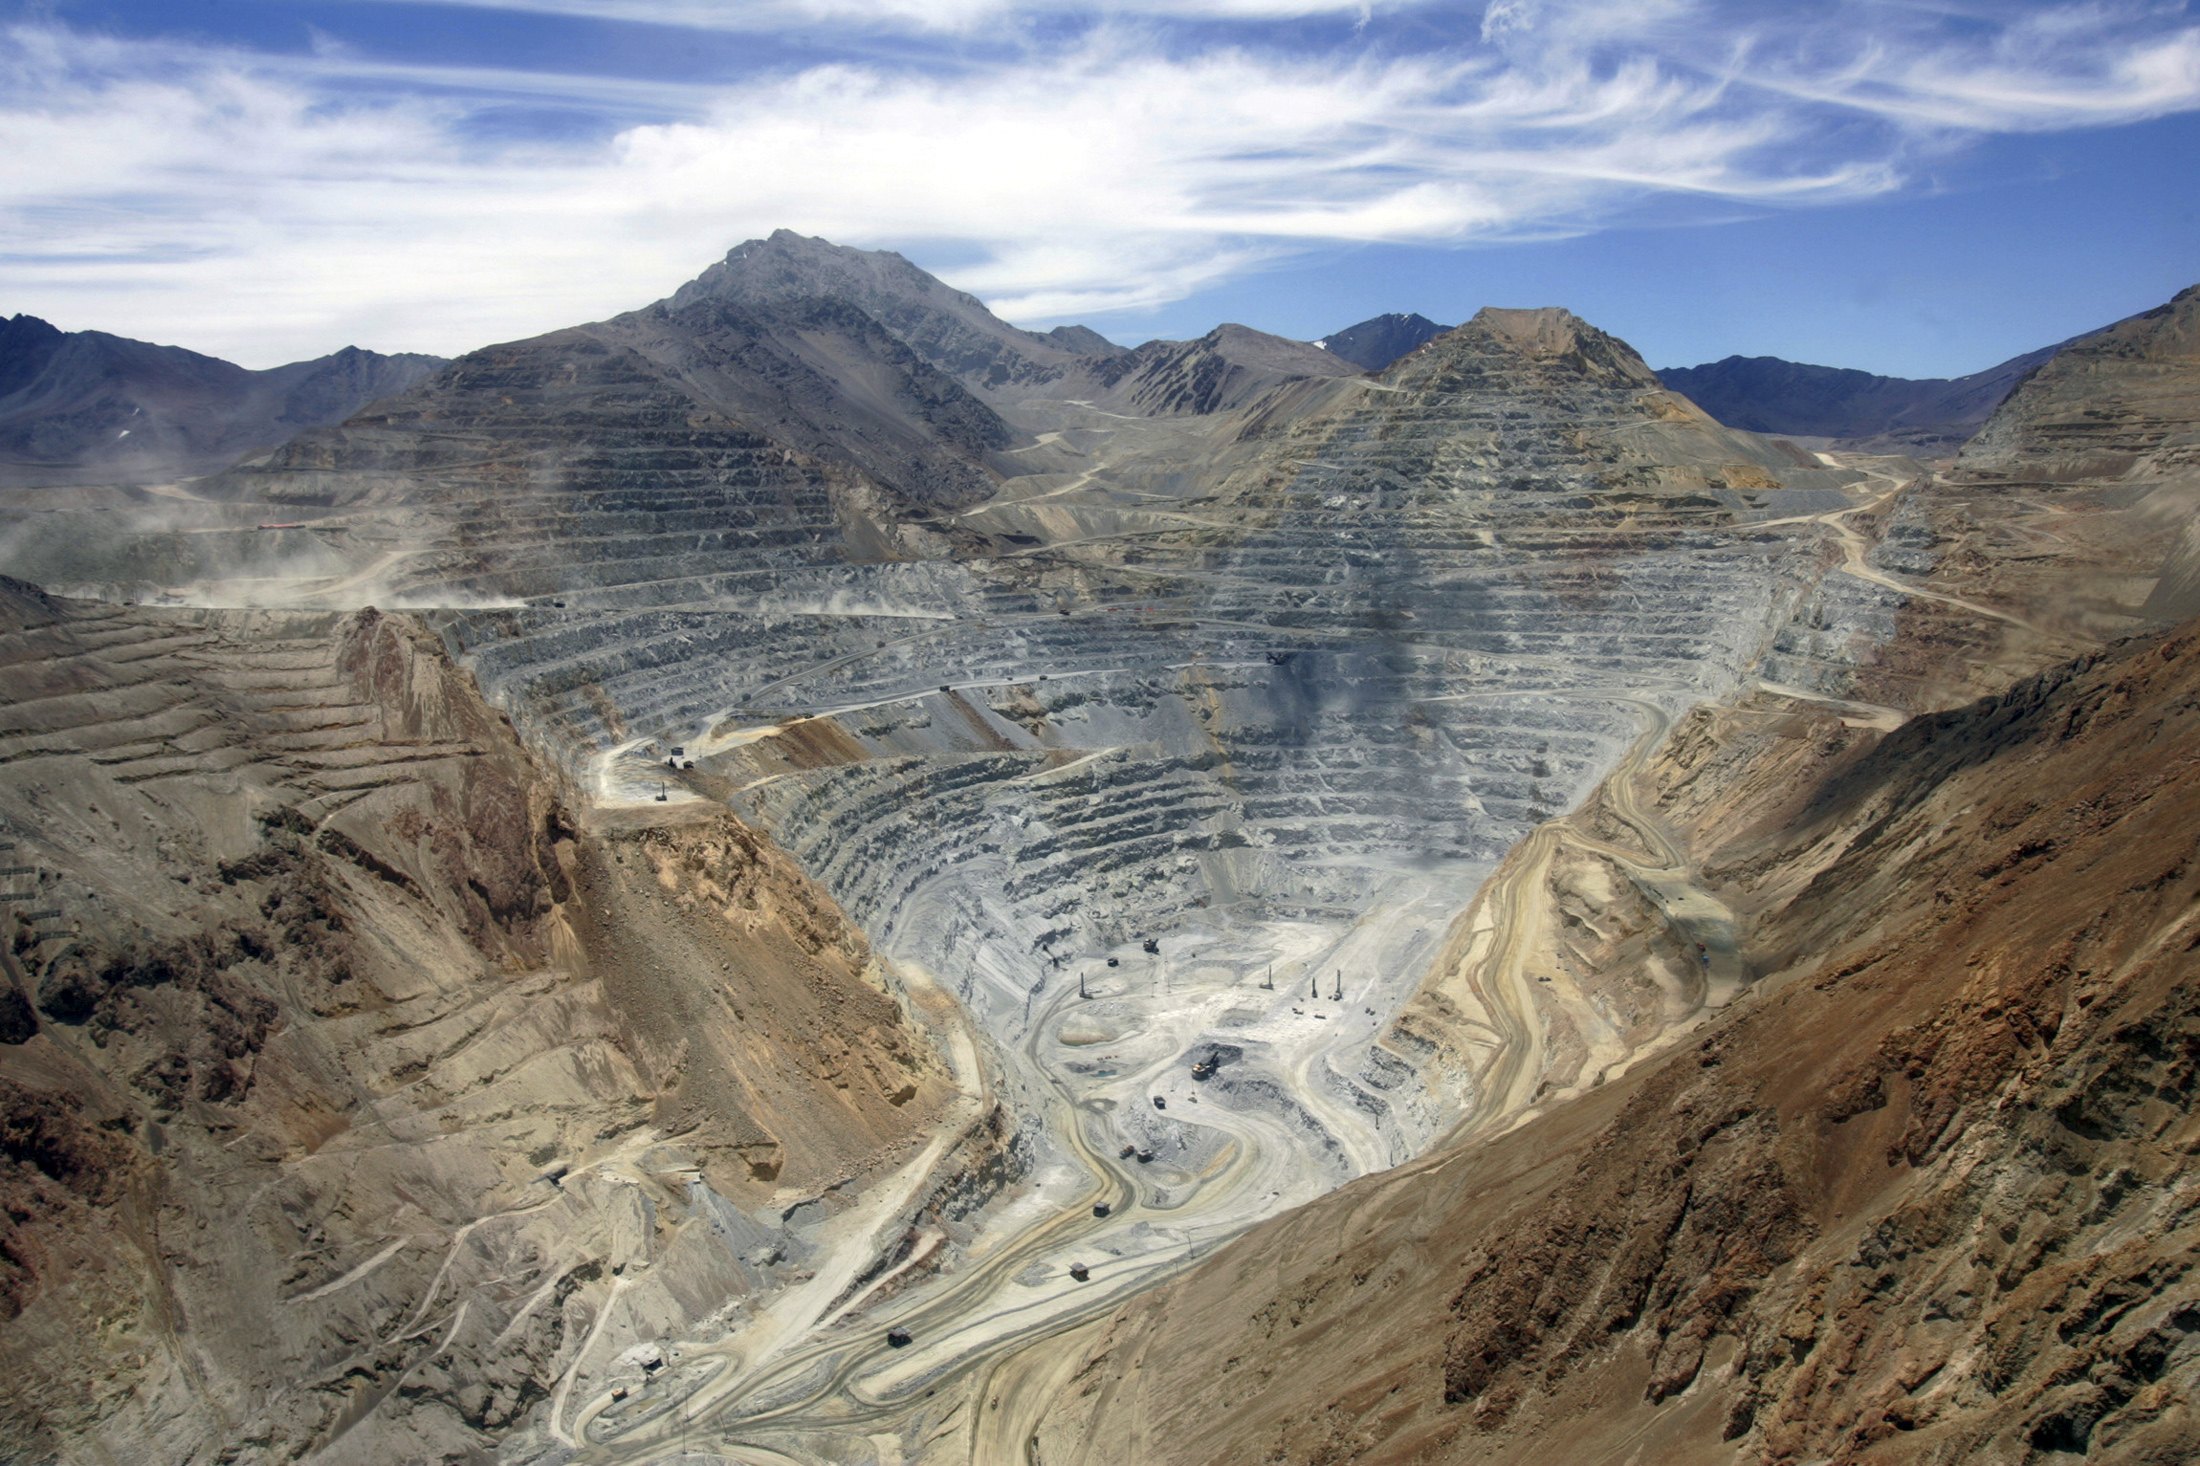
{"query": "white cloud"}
pixel 2044 70
pixel 274 207
pixel 951 16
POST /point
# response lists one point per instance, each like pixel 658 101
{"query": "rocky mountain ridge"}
pixel 84 407
pixel 1929 418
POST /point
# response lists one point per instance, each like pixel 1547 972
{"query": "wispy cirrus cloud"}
pixel 948 16
pixel 271 205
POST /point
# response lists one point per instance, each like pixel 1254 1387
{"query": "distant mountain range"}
pixel 1376 343
pixel 1766 394
pixel 87 407
pixel 844 357
pixel 1932 417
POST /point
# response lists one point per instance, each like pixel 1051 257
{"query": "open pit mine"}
pixel 802 875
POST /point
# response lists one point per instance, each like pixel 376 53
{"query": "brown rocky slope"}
pixel 1925 1196
pixel 356 1099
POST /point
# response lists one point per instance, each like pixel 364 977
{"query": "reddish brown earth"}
pixel 1926 1195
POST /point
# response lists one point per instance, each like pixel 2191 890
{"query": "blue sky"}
pixel 1919 187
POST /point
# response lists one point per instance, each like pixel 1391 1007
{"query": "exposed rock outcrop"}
pixel 950 330
pixel 2119 404
pixel 1230 367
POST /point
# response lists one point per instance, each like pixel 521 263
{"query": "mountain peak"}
pixel 947 327
pixel 27 327
pixel 1555 335
pixel 787 266
pixel 1380 340
pixel 1085 341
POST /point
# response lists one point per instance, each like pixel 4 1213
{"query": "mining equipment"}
pixel 1078 1270
pixel 1100 1208
pixel 1152 945
pixel 1126 1152
pixel 1113 963
pixel 1338 995
pixel 897 1338
pixel 1203 1070
pixel 1159 1103
pixel 662 796
pixel 1145 1158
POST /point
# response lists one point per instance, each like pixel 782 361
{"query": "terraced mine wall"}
pixel 1193 734
pixel 1834 1226
pixel 1409 623
pixel 1205 739
pixel 363 1098
pixel 1919 1193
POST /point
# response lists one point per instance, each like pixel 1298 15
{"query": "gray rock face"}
pixel 2116 415
pixel 85 407
pixel 1084 341
pixel 1229 367
pixel 952 331
pixel 1388 627
pixel 761 437
pixel 1377 342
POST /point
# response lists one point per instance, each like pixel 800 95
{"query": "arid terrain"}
pixel 803 875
